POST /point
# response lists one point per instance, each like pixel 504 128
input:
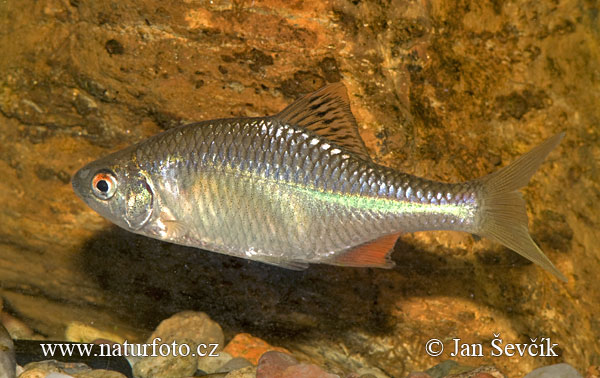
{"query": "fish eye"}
pixel 104 185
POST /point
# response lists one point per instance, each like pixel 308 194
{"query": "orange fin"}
pixel 374 254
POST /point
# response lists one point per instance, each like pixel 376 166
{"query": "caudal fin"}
pixel 504 217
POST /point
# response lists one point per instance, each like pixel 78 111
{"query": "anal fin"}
pixel 373 254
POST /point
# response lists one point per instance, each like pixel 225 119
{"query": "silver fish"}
pixel 298 188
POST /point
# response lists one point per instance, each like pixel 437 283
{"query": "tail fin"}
pixel 503 213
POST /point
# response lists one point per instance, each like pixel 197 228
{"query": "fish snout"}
pixel 79 180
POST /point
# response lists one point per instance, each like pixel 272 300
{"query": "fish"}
pixel 298 188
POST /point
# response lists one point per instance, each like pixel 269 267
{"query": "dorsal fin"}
pixel 327 113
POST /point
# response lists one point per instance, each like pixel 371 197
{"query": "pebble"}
pixel 446 368
pixel 17 328
pixel 166 366
pixel 305 371
pixel 273 363
pixel 191 325
pixel 555 371
pixel 8 364
pixel 452 369
pixel 187 327
pixel 39 373
pixel 210 364
pixel 234 364
pixel 480 372
pixel 43 369
pixel 250 347
pixel 247 372
pixel 34 373
pixel 100 373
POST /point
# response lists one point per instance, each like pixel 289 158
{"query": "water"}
pixel 444 90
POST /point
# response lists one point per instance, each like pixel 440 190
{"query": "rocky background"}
pixel 449 90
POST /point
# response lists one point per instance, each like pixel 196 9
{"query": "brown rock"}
pixel 210 364
pixel 195 326
pixel 34 373
pixel 234 364
pixel 247 372
pixel 100 373
pixel 168 366
pixel 480 372
pixel 46 367
pixel 85 333
pixel 16 327
pixel 305 371
pixel 273 363
pixel 449 90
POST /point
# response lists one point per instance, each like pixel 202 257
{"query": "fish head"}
pixel 116 189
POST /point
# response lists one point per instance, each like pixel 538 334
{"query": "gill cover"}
pixel 139 200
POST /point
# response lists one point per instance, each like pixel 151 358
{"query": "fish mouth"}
pixel 78 182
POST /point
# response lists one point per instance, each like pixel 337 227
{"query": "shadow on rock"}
pixel 148 280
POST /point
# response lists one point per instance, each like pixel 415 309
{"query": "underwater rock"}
pixel 195 326
pixel 555 371
pixel 247 372
pixel 418 374
pixel 446 368
pixel 305 371
pixel 53 366
pixel 209 364
pixel 371 372
pixel 8 364
pixel 273 363
pixel 250 347
pixel 17 328
pixel 452 369
pixel 34 373
pixel 481 372
pixel 84 333
pixel 100 373
pixel 58 375
pixel 424 79
pixel 234 364
pixel 168 366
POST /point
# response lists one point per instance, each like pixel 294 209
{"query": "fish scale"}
pixel 295 188
pixel 227 152
pixel 364 188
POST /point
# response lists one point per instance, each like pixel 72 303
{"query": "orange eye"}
pixel 104 185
